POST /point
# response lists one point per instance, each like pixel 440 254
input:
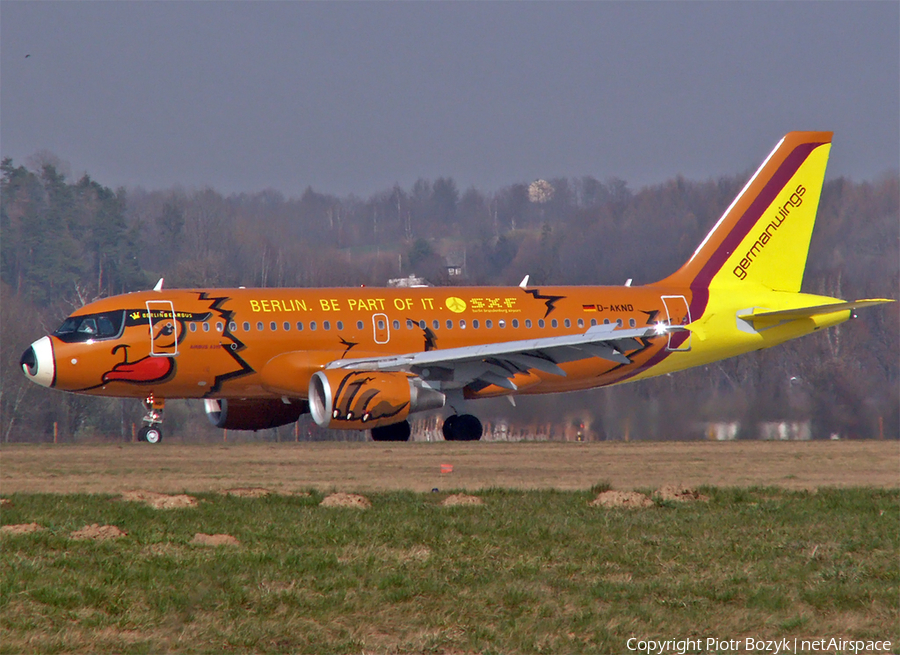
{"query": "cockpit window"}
pixel 93 326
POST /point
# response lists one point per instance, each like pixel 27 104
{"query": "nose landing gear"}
pixel 152 431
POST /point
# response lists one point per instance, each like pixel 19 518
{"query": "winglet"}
pixel 158 286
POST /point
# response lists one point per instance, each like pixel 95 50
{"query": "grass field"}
pixel 527 572
pixel 417 466
pixel 789 548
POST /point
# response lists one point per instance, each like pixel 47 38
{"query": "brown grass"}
pixel 98 532
pixel 626 499
pixel 285 468
pixel 201 539
pixel 158 500
pixel 342 499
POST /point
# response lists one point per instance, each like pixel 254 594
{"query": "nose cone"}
pixel 37 362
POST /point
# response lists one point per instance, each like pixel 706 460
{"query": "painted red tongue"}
pixel 143 370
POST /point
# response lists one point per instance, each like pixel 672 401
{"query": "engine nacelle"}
pixel 356 400
pixel 253 413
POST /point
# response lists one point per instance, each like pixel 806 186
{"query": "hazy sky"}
pixel 351 98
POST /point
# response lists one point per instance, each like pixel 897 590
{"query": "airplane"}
pixel 368 358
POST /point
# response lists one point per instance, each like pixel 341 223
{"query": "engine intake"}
pixel 253 414
pixel 356 400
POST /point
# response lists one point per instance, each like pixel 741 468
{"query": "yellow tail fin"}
pixel 763 237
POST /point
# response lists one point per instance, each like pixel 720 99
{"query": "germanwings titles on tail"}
pixel 368 358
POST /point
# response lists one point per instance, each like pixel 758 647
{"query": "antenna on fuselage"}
pixel 158 286
pixel 524 283
pixel 628 282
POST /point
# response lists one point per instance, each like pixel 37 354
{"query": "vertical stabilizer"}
pixel 763 237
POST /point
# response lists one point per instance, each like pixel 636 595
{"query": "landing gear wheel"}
pixel 153 435
pixel 462 427
pixel 395 432
pixel 142 434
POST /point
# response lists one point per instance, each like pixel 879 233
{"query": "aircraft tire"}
pixel 447 428
pixel 153 435
pixel 394 432
pixel 462 427
pixel 142 434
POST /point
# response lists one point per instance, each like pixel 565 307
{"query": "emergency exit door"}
pixel 678 313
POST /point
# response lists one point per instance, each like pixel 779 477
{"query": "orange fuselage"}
pixel 217 343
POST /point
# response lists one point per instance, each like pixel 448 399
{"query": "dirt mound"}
pixel 98 532
pixel 5 502
pixel 160 501
pixel 681 494
pixel 461 499
pixel 22 528
pixel 627 499
pixel 247 492
pixel 201 539
pixel 346 500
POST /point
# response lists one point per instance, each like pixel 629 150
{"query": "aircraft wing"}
pixel 779 316
pixel 497 363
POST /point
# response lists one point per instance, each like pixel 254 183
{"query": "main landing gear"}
pixel 462 427
pixel 394 432
pixel 152 431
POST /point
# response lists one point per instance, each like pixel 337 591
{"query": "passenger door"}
pixel 164 328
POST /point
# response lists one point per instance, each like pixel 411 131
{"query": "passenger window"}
pixel 462 324
pixel 273 326
pixel 220 326
pixel 380 324
pixel 501 323
pixel 528 322
pixel 326 325
pixel 206 327
pixel 449 324
pixel 246 326
pixel 619 322
pixel 632 322
pixel 193 327
pixel 287 326
pixel 593 322
pixel 260 326
pixel 568 323
pixel 396 325
pixel 475 324
pixel 541 323
pixel 435 324
pixel 359 325
pixel 605 321
pixel 409 324
pixel 580 322
pixel 232 327
pixel 312 325
pixel 489 324
pixel 554 323
pixel 422 324
pixel 340 325
pixel 515 322
pixel 300 325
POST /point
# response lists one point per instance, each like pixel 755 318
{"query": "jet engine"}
pixel 253 414
pixel 356 400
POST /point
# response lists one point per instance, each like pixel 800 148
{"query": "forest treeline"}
pixel 66 242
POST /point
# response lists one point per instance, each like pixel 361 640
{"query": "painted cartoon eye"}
pixel 334 414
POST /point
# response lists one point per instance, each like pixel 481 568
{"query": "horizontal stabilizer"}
pixel 809 312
